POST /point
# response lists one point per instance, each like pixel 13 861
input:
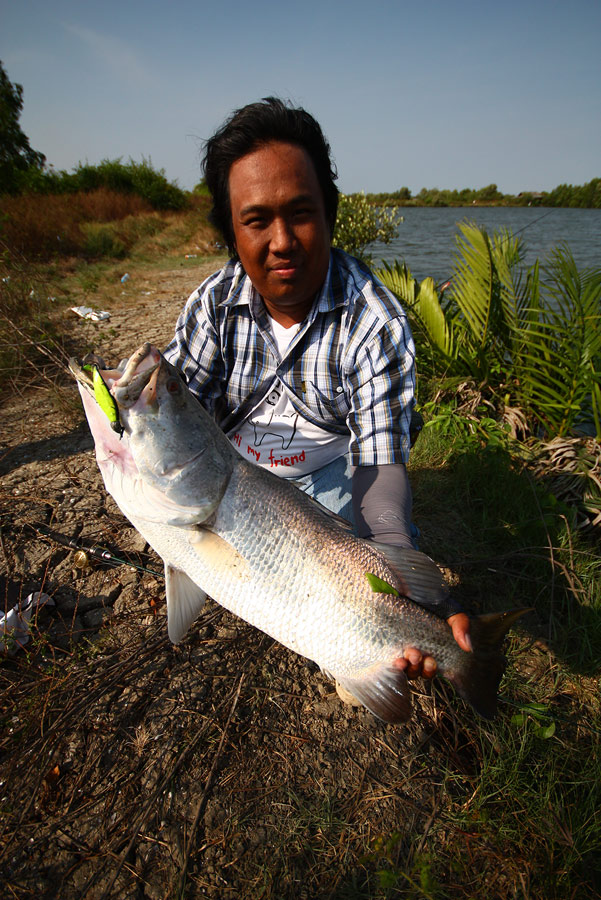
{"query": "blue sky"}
pixel 431 94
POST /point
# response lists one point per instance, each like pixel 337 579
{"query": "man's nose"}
pixel 282 236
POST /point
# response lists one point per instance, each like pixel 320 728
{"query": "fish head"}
pixel 144 418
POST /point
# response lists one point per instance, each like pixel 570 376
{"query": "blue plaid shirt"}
pixel 349 369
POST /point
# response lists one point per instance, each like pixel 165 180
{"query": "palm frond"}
pixel 400 281
pixel 422 303
pixel 531 338
pixel 472 280
pixel 438 327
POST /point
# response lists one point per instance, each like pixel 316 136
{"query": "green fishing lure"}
pixel 105 399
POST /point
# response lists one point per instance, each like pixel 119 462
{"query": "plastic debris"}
pixel 14 625
pixel 125 278
pixel 191 255
pixel 94 315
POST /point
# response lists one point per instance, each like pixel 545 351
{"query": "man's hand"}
pixel 415 664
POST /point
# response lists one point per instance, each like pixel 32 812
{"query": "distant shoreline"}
pixel 565 196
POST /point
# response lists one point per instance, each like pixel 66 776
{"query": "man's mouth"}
pixel 285 270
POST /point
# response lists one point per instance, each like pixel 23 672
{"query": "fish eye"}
pixel 173 385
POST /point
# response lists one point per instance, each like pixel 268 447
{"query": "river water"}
pixel 426 236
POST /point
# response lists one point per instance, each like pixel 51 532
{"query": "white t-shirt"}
pixel 276 436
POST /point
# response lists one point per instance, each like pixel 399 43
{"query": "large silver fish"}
pixel 264 550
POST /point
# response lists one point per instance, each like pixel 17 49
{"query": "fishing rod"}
pixel 524 227
pixel 84 550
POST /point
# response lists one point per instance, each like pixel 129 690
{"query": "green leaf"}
pixel 537 709
pixel 544 731
pixel 379 586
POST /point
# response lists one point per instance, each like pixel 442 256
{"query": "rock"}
pixel 95 618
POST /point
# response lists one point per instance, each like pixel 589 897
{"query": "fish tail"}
pixel 478 674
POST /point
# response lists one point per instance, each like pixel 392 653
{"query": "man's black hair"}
pixel 248 128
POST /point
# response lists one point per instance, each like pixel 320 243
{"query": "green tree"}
pixel 488 194
pixel 16 154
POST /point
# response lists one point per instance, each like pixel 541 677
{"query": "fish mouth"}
pixel 140 372
pixel 125 385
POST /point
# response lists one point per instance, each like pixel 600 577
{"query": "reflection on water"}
pixel 426 237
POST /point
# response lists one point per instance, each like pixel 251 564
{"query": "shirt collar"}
pixel 331 295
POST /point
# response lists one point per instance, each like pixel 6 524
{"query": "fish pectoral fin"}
pixel 219 554
pixel 185 600
pixel 383 690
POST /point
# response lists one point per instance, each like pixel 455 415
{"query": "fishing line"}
pixel 524 227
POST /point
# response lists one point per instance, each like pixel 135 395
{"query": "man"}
pixel 303 357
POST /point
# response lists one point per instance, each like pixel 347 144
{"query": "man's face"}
pixel 280 228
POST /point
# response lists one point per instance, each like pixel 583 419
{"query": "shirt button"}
pixel 339 390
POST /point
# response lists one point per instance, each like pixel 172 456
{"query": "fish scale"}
pixel 268 553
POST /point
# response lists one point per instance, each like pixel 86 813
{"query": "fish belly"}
pixel 276 586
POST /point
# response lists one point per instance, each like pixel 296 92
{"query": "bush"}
pixel 111 174
pixel 359 224
pixel 30 338
pixel 528 339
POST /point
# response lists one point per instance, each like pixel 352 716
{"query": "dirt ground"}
pixel 224 767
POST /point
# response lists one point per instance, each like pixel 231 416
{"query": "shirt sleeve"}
pixel 195 349
pixel 382 396
pixel 382 504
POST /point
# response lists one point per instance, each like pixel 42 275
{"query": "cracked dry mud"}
pixel 224 767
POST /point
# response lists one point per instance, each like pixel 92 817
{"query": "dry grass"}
pixel 42 226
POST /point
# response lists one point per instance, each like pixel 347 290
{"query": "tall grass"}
pixel 30 339
pixel 46 226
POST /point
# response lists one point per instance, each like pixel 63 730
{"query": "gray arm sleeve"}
pixel 382 509
pixel 382 504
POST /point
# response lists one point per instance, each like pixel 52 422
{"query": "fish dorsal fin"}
pixel 383 689
pixel 419 577
pixel 185 600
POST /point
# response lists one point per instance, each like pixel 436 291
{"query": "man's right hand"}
pixel 416 665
